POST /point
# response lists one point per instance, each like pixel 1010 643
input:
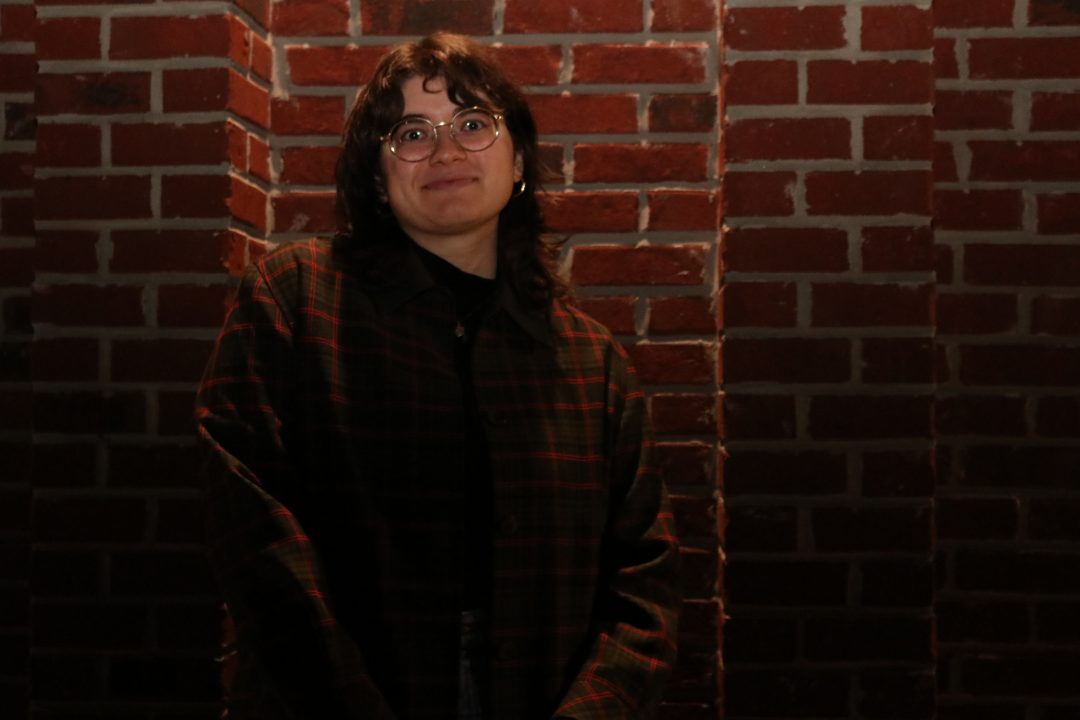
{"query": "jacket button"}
pixel 507 525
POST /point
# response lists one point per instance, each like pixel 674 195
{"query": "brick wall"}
pixel 828 316
pixel 885 336
pixel 1008 240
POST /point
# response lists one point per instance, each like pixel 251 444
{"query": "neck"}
pixel 472 253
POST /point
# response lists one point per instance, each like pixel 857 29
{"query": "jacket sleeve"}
pixel 294 660
pixel 637 612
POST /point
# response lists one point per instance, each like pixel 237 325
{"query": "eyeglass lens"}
pixel 414 138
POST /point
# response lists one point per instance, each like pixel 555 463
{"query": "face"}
pixel 454 192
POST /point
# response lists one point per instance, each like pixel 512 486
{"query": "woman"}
pixel 429 486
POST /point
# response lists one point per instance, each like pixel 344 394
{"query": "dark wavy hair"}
pixel 526 257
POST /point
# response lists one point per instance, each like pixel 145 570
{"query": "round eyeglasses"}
pixel 414 138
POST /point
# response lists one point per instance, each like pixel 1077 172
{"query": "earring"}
pixel 519 189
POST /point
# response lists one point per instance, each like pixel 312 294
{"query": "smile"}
pixel 449 183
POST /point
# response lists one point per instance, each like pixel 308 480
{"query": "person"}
pixel 430 485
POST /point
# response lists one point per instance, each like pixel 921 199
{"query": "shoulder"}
pixel 573 326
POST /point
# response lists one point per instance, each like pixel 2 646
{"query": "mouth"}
pixel 449 183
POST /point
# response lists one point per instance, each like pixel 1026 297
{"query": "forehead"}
pixel 428 97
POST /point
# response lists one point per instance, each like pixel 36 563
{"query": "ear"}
pixel 519 167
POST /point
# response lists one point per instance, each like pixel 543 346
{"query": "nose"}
pixel 446 147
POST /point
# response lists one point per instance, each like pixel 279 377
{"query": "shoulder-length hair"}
pixel 525 256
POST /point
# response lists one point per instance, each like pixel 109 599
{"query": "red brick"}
pixel 1021 466
pixel 945 64
pixel 1038 365
pixel 673 363
pixel 871 305
pixel 783 139
pixel 85 198
pixel 174 417
pixel 682 210
pixel 972 313
pixel 348 66
pixel 168 37
pixel 262 58
pixel 979 209
pixel 143 251
pixel 681 315
pixel 683 414
pixel 93 93
pixel 420 17
pixel 68 145
pixel 1053 12
pixel 96 519
pixel 682 113
pixel 65 359
pixel 566 113
pixel 1052 315
pixel 68 38
pixel 898 137
pixel 868 417
pixel 898 27
pixel 944 162
pixel 786 360
pixel 973 110
pixel 259 10
pixel 158 144
pixel 869 82
pixel 1027 160
pixel 973 13
pixel 761 82
pixel 869 193
pixel 591 211
pixel 247 202
pixel 161 359
pixel 16 170
pixel 530 64
pixel 757 304
pixel 785 250
pixel 107 305
pixel 21 71
pixel 615 313
pixel 643 265
pixel 194 196
pixel 898 249
pixel 640 163
pixel 308 165
pixel 897 360
pixel 239 41
pixel 248 99
pixel 154 466
pixel 784 28
pixel 66 251
pixel 195 89
pixel 899 474
pixel 92 625
pixel 259 158
pixel 1054 519
pixel 1058 416
pixel 757 417
pixel 989 415
pixel 670 63
pixel 191 305
pixel 784 473
pixel 684 15
pixel 307 115
pixel 572 16
pixel 1028 265
pixel 304 212
pixel 1055 111
pixel 310 17
pixel 1044 57
pixel 759 193
pixel 17 269
pixel 17 214
pixel 93 413
pixel 17 23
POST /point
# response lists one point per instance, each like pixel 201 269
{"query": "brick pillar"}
pixel 1008 218
pixel 150 178
pixel 17 133
pixel 827 359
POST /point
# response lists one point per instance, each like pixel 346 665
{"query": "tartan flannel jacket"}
pixel 332 416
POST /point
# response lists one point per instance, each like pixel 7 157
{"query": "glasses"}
pixel 414 138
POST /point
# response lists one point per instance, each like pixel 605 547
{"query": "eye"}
pixel 413 132
pixel 472 122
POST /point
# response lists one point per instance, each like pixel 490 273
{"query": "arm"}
pixel 298 662
pixel 637 612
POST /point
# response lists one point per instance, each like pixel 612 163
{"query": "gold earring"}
pixel 519 189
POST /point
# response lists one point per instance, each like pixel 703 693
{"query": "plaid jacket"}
pixel 333 418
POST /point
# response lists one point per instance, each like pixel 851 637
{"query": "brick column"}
pixel 827 359
pixel 1008 214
